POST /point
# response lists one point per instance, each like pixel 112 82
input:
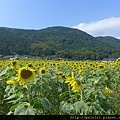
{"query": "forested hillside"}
pixel 59 42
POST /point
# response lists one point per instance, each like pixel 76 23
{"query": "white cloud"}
pixel 118 37
pixel 105 27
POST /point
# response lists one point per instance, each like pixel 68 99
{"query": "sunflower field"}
pixel 46 87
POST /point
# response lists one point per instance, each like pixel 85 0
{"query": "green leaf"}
pixel 59 88
pixel 13 107
pixel 97 106
pixel 19 95
pixel 107 107
pixel 37 104
pixel 104 104
pixel 89 91
pixel 61 81
pixel 12 101
pixel 112 99
pixel 30 111
pixel 10 90
pixel 66 107
pixel 62 95
pixel 10 97
pixel 79 105
pixel 46 103
pixel 19 110
pixel 75 96
pixel 49 103
pixel 9 113
pixel 4 71
pixel 42 100
pixel 7 89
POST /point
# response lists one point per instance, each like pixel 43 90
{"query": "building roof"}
pixel 109 59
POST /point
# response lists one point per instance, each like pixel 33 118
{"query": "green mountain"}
pixel 59 42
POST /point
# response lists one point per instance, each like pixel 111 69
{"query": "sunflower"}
pixel 108 91
pixel 12 82
pixel 43 71
pixel 60 73
pixel 73 83
pixel 26 105
pixel 29 65
pixel 76 88
pixel 118 60
pixel 101 67
pixel 13 64
pixel 25 74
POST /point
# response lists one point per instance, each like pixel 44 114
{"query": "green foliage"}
pixel 58 41
pixel 50 94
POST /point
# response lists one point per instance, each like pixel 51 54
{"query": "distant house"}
pixel 1 56
pixel 17 56
pixel 8 56
pixel 59 58
pixel 108 59
pixel 49 58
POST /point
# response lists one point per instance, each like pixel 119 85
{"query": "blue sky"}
pixel 96 17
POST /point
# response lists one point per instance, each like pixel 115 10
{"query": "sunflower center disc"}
pixel 101 66
pixel 43 71
pixel 13 63
pixel 25 74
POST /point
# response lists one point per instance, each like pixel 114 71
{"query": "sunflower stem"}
pixel 28 96
pixel 69 91
pixel 81 95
